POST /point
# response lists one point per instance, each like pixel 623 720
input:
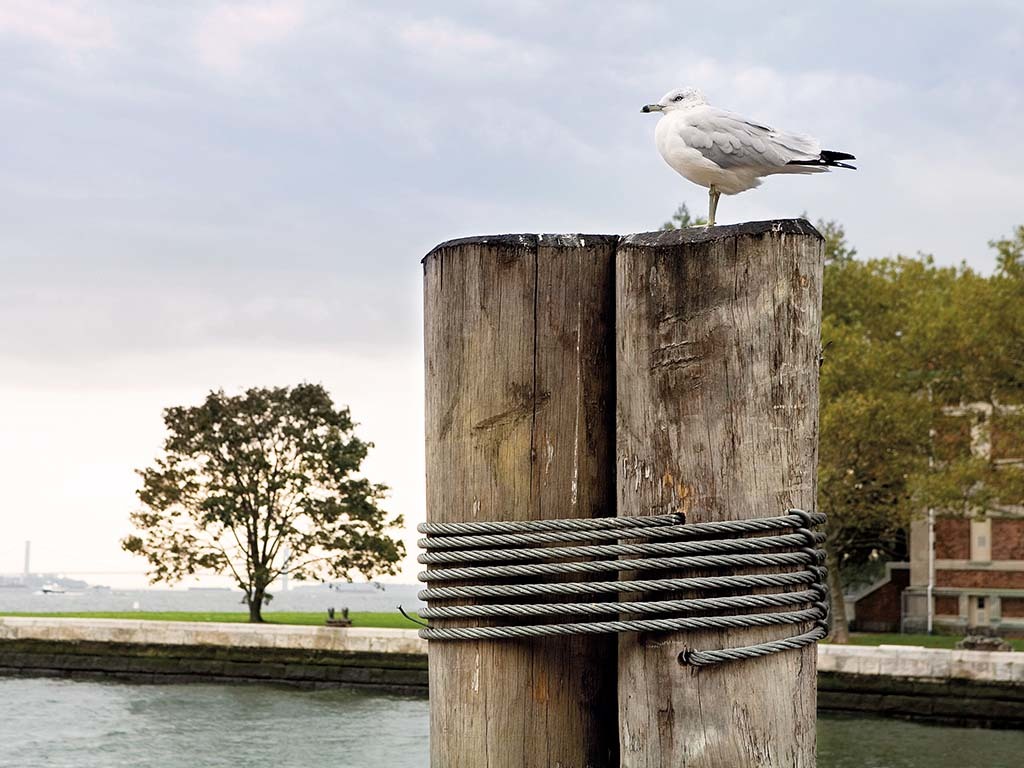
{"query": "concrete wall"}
pixel 963 687
pixel 922 663
pixel 890 660
pixel 352 639
pixel 976 688
pixel 179 652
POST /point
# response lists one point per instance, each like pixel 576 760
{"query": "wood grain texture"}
pixel 519 343
pixel 717 415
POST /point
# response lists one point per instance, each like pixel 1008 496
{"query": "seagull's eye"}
pixel 678 98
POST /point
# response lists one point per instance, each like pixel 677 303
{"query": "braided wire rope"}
pixel 805 556
pixel 721 546
pixel 448 535
pixel 613 550
pixel 637 606
pixel 567 524
pixel 640 585
pixel 638 625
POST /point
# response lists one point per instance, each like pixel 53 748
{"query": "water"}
pixel 107 725
pixel 855 742
pixel 63 724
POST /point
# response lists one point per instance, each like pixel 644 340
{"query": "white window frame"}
pixel 981 540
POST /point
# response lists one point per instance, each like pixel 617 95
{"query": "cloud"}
pixel 72 27
pixel 463 51
pixel 529 132
pixel 228 35
pixel 205 237
pixel 1010 37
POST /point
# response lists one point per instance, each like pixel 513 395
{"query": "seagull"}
pixel 728 153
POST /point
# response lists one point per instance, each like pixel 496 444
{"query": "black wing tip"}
pixel 828 159
pixel 829 156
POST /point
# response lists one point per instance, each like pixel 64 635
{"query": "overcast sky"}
pixel 204 194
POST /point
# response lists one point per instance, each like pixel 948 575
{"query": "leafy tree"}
pixel 682 219
pixel 837 250
pixel 906 340
pixel 1010 254
pixel 246 480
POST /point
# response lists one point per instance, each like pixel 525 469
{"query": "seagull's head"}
pixel 680 98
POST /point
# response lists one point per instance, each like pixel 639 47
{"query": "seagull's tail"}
pixel 828 159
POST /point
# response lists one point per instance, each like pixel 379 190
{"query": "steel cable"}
pixel 720 546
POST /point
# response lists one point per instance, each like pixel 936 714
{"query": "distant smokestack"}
pixel 28 554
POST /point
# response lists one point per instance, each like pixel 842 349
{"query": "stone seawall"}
pixel 978 688
pixel 957 687
pixel 176 652
pixel 350 639
pixel 141 663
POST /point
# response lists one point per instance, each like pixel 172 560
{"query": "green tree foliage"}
pixel 682 219
pixel 906 341
pixel 261 485
pixel 1010 253
pixel 837 250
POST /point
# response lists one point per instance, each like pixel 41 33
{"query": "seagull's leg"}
pixel 713 195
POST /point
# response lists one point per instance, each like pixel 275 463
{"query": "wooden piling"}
pixel 717 416
pixel 519 343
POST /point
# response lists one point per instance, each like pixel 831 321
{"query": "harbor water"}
pixel 64 724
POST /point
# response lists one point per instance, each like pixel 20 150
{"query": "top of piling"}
pixel 527 241
pixel 659 238
pixel 666 237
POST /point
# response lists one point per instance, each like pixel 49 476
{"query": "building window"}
pixel 979 615
pixel 1013 607
pixel 981 541
pixel 949 605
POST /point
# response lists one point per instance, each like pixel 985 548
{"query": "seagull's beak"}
pixel 652 108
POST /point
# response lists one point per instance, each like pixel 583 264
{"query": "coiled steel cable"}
pixel 518 541
pixel 751 581
pixel 615 550
pixel 637 606
pixel 803 557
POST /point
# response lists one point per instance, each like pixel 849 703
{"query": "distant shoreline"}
pixel 304 598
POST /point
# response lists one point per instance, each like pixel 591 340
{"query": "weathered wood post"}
pixel 519 341
pixel 717 401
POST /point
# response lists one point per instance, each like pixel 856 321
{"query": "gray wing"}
pixel 731 141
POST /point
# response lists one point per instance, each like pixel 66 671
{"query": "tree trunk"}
pixel 519 342
pixel 840 632
pixel 255 601
pixel 717 335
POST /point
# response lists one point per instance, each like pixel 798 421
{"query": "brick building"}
pixel 879 607
pixel 978 566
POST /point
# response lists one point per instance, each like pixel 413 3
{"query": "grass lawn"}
pixel 927 641
pixel 388 619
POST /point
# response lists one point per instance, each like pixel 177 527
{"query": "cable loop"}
pixel 542 553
